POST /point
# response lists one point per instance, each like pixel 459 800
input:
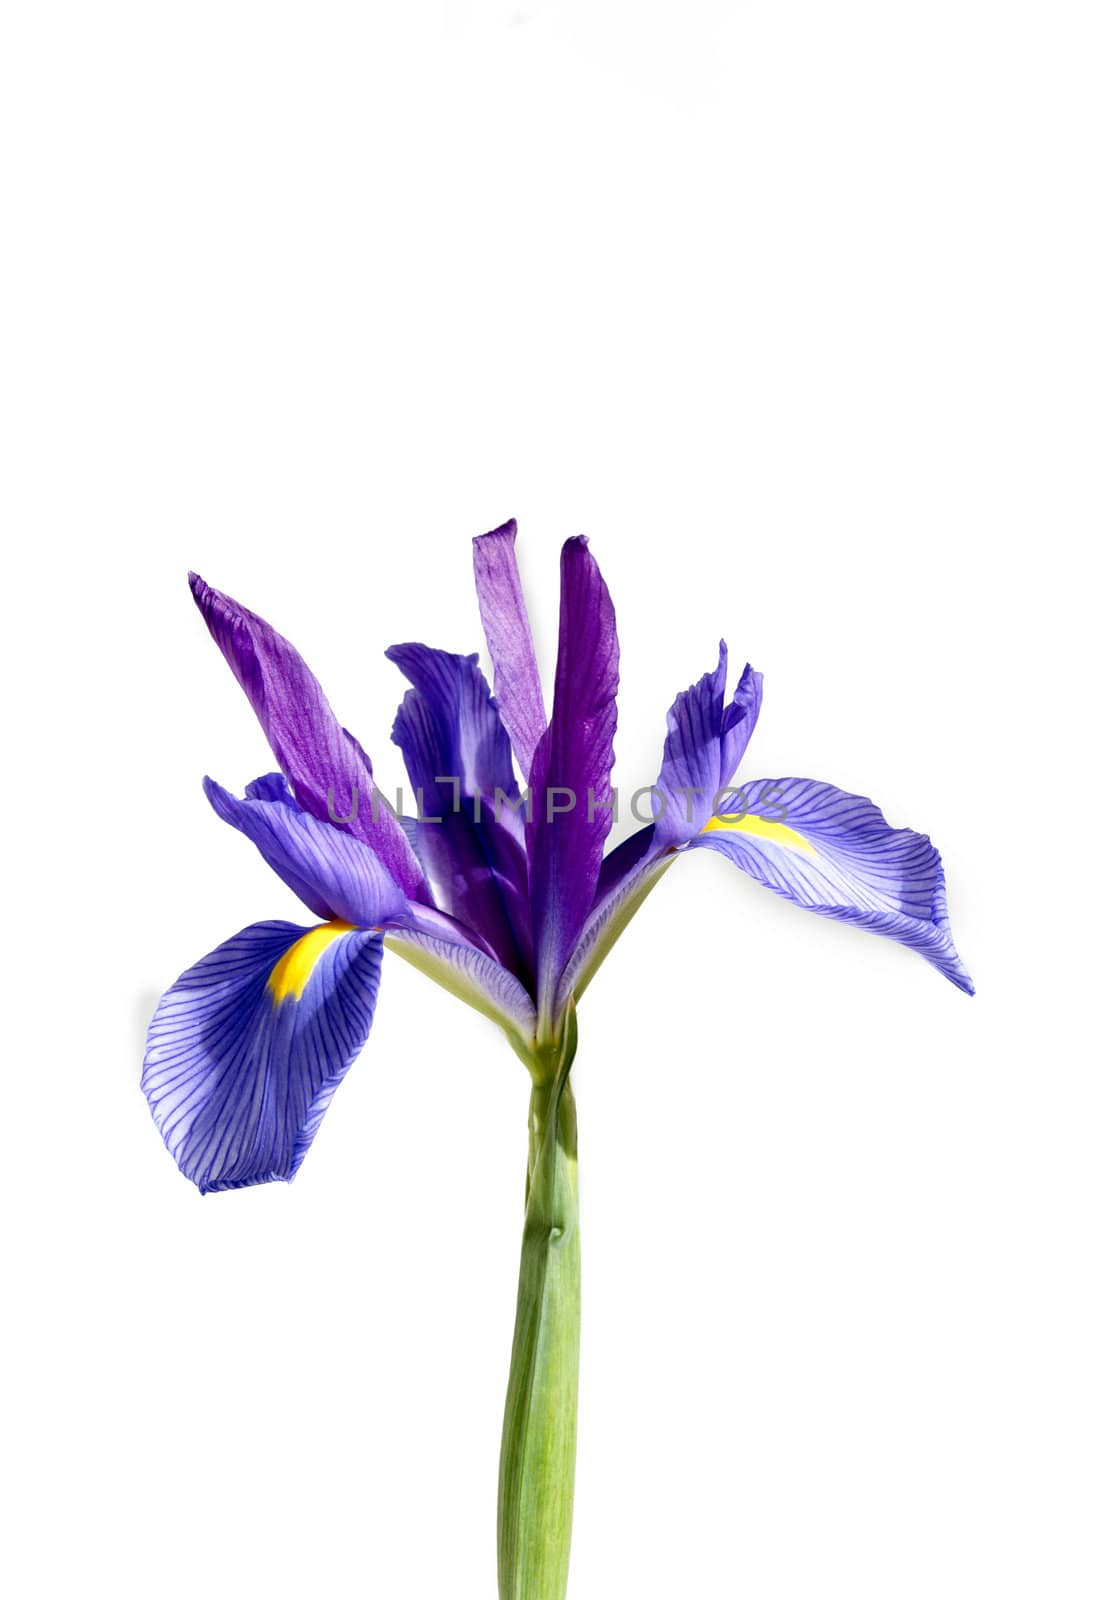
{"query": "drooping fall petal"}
pixel 247 1048
pixel 833 853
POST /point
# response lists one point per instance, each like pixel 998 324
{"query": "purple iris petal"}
pixel 470 844
pixel 272 786
pixel 503 615
pixel 571 780
pixel 246 1049
pixel 329 772
pixel 705 741
pixel 834 854
pixel 467 722
pixel 334 874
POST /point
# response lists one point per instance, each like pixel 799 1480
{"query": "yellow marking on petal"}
pixel 289 977
pixel 762 828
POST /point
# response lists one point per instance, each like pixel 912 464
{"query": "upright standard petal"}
pixel 470 833
pixel 470 737
pixel 571 780
pixel 334 874
pixel 705 742
pixel 833 853
pixel 503 615
pixel 330 774
pixel 246 1049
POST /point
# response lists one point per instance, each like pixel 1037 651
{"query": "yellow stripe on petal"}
pixel 761 828
pixel 289 977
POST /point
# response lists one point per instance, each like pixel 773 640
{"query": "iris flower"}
pixel 505 896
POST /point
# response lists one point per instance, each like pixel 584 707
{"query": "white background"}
pixel 797 310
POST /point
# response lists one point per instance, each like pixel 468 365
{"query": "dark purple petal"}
pixel 334 874
pixel 833 853
pixel 329 772
pixel 246 1049
pixel 470 841
pixel 705 742
pixel 503 615
pixel 572 768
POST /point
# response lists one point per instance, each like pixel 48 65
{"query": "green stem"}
pixel 538 1452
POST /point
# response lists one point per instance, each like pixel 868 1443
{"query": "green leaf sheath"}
pixel 538 1453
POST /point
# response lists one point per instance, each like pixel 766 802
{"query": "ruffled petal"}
pixel 330 774
pixel 246 1049
pixel 333 873
pixel 503 615
pixel 833 853
pixel 571 782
